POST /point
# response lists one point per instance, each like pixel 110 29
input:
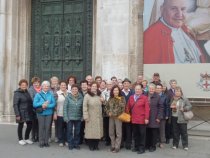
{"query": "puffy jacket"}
pixel 22 104
pixel 72 108
pixel 40 98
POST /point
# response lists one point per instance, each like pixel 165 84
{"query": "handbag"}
pixel 124 117
pixel 188 115
pixel 39 110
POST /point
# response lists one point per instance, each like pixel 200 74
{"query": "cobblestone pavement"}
pixel 199 147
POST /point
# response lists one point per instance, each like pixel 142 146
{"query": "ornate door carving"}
pixel 61 38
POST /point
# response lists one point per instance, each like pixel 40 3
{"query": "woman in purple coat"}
pixel 156 112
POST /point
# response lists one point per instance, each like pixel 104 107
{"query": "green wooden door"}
pixel 61 43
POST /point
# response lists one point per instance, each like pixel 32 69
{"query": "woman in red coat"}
pixel 138 106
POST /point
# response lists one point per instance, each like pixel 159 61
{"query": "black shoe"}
pixel 71 147
pixel 152 149
pixel 47 145
pixel 41 145
pixel 77 147
pixel 91 148
pixel 107 143
pixel 167 141
pixel 128 147
pixel 141 151
pixel 96 148
pixel 135 150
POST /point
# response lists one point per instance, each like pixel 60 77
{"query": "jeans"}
pixel 73 136
pixel 62 130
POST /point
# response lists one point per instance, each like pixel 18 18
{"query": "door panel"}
pixel 61 38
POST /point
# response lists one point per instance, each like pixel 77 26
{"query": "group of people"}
pixel 88 112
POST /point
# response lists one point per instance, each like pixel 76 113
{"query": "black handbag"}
pixel 39 110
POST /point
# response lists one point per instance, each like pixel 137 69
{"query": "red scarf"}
pixel 38 89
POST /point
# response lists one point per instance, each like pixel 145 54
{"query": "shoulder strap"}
pixel 133 105
pixel 42 96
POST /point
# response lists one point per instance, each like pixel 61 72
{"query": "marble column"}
pixel 15 16
pixel 117 39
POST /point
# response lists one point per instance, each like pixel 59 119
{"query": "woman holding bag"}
pixel 179 105
pixel 46 101
pixel 114 107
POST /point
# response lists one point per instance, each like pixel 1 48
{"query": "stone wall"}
pixel 14 50
pixel 118 47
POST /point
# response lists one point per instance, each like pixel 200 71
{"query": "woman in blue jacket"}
pixel 45 102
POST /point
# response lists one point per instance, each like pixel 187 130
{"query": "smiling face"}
pixel 74 91
pixel 36 84
pixel 173 12
pixel 63 86
pixel 116 92
pixel 152 89
pixel 94 88
pixel 138 90
pixel 23 86
pixel 45 87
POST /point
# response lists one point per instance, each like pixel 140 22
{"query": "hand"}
pixel 18 118
pixel 102 99
pixel 146 121
pixel 110 114
pixel 87 120
pixel 173 106
pixel 157 120
pixel 166 118
pixel 44 106
pixel 55 117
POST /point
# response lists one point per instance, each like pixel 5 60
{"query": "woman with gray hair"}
pixel 156 114
pixel 44 103
pixel 179 105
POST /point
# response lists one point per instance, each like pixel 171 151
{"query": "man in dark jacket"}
pixel 127 127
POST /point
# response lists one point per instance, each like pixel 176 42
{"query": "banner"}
pixel 177 43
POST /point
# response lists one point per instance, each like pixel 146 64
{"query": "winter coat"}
pixel 183 103
pixel 32 92
pixel 72 108
pixel 23 105
pixel 139 110
pixel 40 99
pixel 92 111
pixel 115 106
pixel 166 106
pixel 156 110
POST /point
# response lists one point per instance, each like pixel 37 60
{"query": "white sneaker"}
pixel 174 147
pixel 28 141
pixel 186 148
pixel 66 144
pixel 22 142
pixel 60 144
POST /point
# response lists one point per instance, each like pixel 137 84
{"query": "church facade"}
pixel 63 37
